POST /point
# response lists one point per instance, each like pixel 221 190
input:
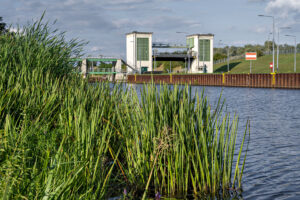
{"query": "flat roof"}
pixel 208 34
pixel 137 32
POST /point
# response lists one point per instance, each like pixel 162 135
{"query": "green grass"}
pixel 261 65
pixel 63 138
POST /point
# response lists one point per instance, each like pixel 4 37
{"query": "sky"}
pixel 104 23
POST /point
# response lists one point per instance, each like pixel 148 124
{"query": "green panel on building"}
pixel 143 49
pixel 190 42
pixel 204 50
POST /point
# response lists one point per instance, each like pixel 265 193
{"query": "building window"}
pixel 204 50
pixel 190 42
pixel 143 49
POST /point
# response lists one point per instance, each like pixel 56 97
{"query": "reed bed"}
pixel 63 138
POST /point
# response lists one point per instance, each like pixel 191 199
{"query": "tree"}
pixel 2 26
pixel 219 56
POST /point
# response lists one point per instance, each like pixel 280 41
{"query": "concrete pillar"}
pixel 84 70
pixel 118 69
pixel 118 66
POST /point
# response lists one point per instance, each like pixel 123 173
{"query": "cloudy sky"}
pixel 104 22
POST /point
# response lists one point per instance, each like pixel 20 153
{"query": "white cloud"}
pixel 284 7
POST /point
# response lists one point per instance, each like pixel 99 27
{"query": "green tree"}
pixel 219 56
pixel 2 26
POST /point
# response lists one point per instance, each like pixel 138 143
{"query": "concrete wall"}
pixel 131 51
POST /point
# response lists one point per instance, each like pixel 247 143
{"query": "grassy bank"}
pixel 62 138
pixel 261 65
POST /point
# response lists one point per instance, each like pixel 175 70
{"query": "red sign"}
pixel 251 56
pixel 271 65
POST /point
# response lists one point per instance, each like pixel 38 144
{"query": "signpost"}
pixel 251 56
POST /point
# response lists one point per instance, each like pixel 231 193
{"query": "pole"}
pixel 269 43
pixel 295 54
pixel 228 58
pixel 273 38
pixel 154 59
pixel 140 59
pixel 273 44
pixel 198 54
pixel 203 43
pixel 135 52
pixel 278 51
pixel 185 64
pixel 189 61
pixel 295 61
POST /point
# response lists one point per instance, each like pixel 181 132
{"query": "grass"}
pixel 261 65
pixel 62 138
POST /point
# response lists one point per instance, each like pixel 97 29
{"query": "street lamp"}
pixel 269 43
pixel 273 38
pixel 280 28
pixel 295 50
pixel 220 42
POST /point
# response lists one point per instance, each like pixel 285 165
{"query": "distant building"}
pixel 139 51
pixel 201 46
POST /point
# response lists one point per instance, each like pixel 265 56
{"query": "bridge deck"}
pixel 171 57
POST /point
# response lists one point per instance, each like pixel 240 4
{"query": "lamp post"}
pixel 269 43
pixel 220 42
pixel 280 28
pixel 295 50
pixel 273 38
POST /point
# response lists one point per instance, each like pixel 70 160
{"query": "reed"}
pixel 63 138
pixel 176 144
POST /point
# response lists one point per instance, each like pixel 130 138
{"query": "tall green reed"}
pixel 54 143
pixel 63 138
pixel 176 144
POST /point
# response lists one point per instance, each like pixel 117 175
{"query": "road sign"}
pixel 251 56
pixel 271 65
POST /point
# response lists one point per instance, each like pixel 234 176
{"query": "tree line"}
pixel 265 49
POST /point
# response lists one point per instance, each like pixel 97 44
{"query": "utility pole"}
pixel 278 46
pixel 295 64
pixel 273 38
pixel 220 43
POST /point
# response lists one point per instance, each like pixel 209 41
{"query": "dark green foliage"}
pixel 219 56
pixel 2 26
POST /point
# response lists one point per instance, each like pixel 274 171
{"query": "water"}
pixel 272 168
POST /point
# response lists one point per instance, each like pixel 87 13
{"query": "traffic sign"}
pixel 251 56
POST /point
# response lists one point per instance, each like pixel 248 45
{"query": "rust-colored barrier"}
pixel 232 80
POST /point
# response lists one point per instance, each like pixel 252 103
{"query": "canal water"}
pixel 272 168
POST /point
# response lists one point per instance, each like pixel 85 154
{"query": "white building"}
pixel 202 49
pixel 139 51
